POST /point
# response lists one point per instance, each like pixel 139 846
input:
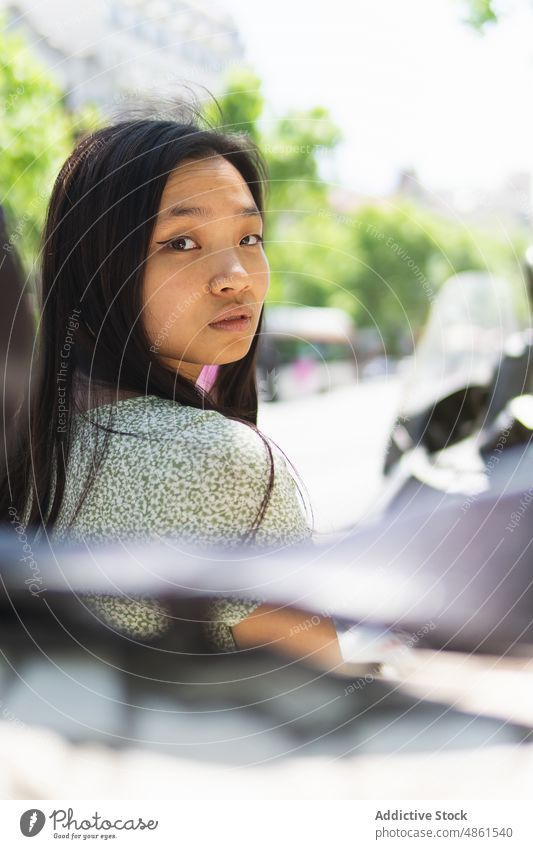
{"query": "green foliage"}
pixel 309 256
pixel 294 145
pixel 302 250
pixel 480 13
pixel 241 105
pixel 36 134
pixel 401 255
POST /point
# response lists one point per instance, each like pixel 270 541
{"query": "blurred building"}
pixel 111 51
pixel 510 203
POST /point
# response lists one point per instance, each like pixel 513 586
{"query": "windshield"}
pixel 470 319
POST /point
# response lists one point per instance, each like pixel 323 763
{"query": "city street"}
pixel 336 442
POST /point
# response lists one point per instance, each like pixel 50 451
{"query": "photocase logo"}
pixel 32 822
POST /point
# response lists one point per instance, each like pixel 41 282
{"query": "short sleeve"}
pixel 211 487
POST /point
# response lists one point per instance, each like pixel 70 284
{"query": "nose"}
pixel 231 278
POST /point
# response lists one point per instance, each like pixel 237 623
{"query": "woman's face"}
pixel 205 258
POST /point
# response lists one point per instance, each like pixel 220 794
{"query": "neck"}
pixel 189 370
pixel 88 393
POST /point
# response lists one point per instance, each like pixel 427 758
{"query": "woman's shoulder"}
pixel 164 419
pixel 193 468
pixel 164 438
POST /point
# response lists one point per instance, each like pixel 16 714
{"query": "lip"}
pixel 235 319
pixel 232 324
pixel 234 312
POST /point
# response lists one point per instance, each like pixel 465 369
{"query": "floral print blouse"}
pixel 174 472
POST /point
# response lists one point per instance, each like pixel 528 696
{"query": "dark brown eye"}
pixel 179 243
pixel 253 236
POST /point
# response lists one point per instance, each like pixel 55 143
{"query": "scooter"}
pixel 467 415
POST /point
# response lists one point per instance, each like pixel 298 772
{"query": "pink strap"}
pixel 207 377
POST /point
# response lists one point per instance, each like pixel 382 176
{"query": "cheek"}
pixel 172 302
pixel 166 290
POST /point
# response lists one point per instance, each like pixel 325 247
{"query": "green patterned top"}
pixel 173 472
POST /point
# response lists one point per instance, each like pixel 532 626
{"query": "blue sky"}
pixel 406 81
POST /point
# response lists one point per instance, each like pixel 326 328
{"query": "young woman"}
pixel 153 268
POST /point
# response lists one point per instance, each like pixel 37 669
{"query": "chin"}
pixel 232 353
pixel 234 358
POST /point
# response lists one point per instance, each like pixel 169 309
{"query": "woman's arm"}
pixel 291 632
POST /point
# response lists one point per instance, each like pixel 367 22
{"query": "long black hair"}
pixel 96 238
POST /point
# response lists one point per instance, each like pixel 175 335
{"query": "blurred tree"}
pixel 303 245
pixel 480 13
pixel 36 133
pixel 239 108
pixel 402 253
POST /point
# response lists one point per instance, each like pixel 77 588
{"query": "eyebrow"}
pixel 180 211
